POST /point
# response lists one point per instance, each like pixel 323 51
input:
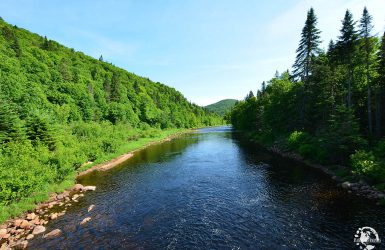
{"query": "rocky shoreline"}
pixel 16 232
pixel 360 188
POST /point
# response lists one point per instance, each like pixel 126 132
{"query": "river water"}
pixel 213 190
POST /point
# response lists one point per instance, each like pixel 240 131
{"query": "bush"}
pixel 365 164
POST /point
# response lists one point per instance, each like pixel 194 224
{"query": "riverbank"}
pixel 342 175
pixel 31 214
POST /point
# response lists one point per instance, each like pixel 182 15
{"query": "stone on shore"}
pixel 78 187
pixel 25 224
pixel 31 216
pixel 346 185
pixel 38 230
pixel 54 216
pixel 30 236
pixel 85 220
pixel 21 245
pixel 90 208
pixel 53 233
pixel 89 188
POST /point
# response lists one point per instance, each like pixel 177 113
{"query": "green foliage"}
pixel 60 108
pixel 326 109
pixel 222 107
pixel 364 163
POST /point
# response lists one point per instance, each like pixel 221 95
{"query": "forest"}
pixel 60 108
pixel 330 108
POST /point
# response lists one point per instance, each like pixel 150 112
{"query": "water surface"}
pixel 213 190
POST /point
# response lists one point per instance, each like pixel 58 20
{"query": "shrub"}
pixel 365 164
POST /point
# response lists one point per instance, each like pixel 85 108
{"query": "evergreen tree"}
pixel 101 58
pixel 250 95
pixel 365 33
pixel 308 47
pixel 307 50
pixel 346 45
pixel 380 89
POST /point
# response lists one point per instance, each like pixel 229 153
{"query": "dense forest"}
pixel 222 107
pixel 60 108
pixel 330 108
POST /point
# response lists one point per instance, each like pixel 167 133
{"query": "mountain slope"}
pixel 60 108
pixel 221 107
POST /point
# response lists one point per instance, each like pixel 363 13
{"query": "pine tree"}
pixel 101 58
pixel 346 45
pixel 365 33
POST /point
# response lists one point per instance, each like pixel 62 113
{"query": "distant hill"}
pixel 222 106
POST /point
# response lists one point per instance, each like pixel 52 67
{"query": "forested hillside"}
pixel 331 107
pixel 221 107
pixel 60 108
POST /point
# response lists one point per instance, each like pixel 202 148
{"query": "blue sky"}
pixel 208 50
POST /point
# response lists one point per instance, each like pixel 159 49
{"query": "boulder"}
pixel 31 216
pixel 346 185
pixel 17 222
pixel 38 230
pixel 21 245
pixel 3 231
pixel 90 208
pixel 4 236
pixel 85 220
pixel 54 216
pixel 78 187
pixel 30 236
pixel 25 224
pixel 89 188
pixel 53 233
pixel 4 246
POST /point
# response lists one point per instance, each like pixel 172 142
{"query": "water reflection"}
pixel 213 190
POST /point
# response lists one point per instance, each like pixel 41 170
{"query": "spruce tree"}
pixel 380 87
pixel 307 50
pixel 365 33
pixel 308 47
pixel 346 45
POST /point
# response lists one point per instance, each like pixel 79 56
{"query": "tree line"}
pixel 330 108
pixel 60 108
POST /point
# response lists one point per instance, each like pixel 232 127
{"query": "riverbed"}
pixel 211 189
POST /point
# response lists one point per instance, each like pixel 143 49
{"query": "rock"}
pixel 3 231
pixel 381 196
pixel 90 208
pixel 17 222
pixel 89 188
pixel 25 224
pixel 75 197
pixel 38 230
pixel 4 247
pixel 4 236
pixel 78 187
pixel 85 220
pixel 21 245
pixel 53 233
pixel 36 221
pixel 53 216
pixel 30 236
pixel 31 216
pixel 346 185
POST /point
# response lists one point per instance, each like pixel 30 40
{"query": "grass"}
pixel 28 204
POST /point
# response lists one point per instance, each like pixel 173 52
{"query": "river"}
pixel 213 190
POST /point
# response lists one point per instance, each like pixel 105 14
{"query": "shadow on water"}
pixel 213 190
